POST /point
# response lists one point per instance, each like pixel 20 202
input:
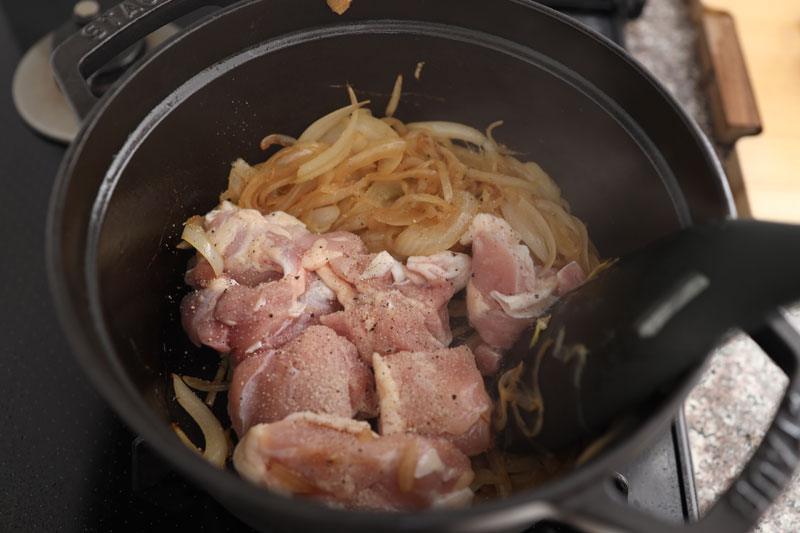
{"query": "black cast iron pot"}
pixel 156 149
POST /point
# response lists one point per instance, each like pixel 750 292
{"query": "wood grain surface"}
pixel 769 34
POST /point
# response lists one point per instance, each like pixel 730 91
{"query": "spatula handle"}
pixel 633 333
pixel 761 481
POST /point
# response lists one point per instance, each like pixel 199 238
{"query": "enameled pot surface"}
pixel 157 148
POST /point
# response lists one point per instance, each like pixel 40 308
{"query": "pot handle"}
pixel 760 482
pixel 109 34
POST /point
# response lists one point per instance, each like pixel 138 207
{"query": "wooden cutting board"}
pixel 769 37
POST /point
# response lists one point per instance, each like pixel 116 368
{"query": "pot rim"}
pixel 86 339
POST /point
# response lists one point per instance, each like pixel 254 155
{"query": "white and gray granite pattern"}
pixel 730 409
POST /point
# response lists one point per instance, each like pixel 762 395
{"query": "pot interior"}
pixel 615 165
pixel 177 162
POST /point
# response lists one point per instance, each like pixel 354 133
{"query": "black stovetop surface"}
pixel 65 457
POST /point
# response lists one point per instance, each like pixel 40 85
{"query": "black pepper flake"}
pixel 297 277
pixel 454 396
pixel 270 315
pixel 312 315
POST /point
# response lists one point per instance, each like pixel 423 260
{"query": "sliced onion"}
pixel 372 128
pixel 204 385
pixel 388 165
pixel 418 173
pixel 382 192
pixel 548 187
pixel 290 155
pixel 322 218
pixel 418 70
pixel 195 235
pixel 502 180
pixel 404 216
pixel 566 228
pixel 330 194
pixel 377 151
pixel 489 131
pixel 395 99
pixel 396 125
pixel 423 199
pixel 355 220
pixel 321 126
pixel 360 141
pixel 407 466
pixel 332 156
pixel 277 138
pixel 532 227
pixel 375 128
pixel 216 449
pixel 454 130
pixel 185 439
pixel 219 378
pixel 238 178
pixel 427 238
pixel 444 177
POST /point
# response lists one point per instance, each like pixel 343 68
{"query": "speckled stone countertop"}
pixel 729 410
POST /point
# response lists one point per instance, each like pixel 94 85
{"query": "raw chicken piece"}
pixel 343 463
pixel 279 314
pixel 197 316
pixel 265 296
pixel 431 280
pixel 505 293
pixel 318 371
pixel 569 278
pixel 324 248
pixel 487 359
pixel 243 320
pixel 255 248
pixel 387 322
pixel 389 306
pixel 349 271
pixel 493 324
pixel 437 394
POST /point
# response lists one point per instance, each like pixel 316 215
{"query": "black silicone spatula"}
pixel 643 322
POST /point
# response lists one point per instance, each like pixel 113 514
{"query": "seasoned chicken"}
pixel 506 292
pixel 388 321
pixel 255 248
pixel 343 463
pixel 389 306
pixel 436 393
pixel 264 297
pixel 318 371
pixel 244 320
